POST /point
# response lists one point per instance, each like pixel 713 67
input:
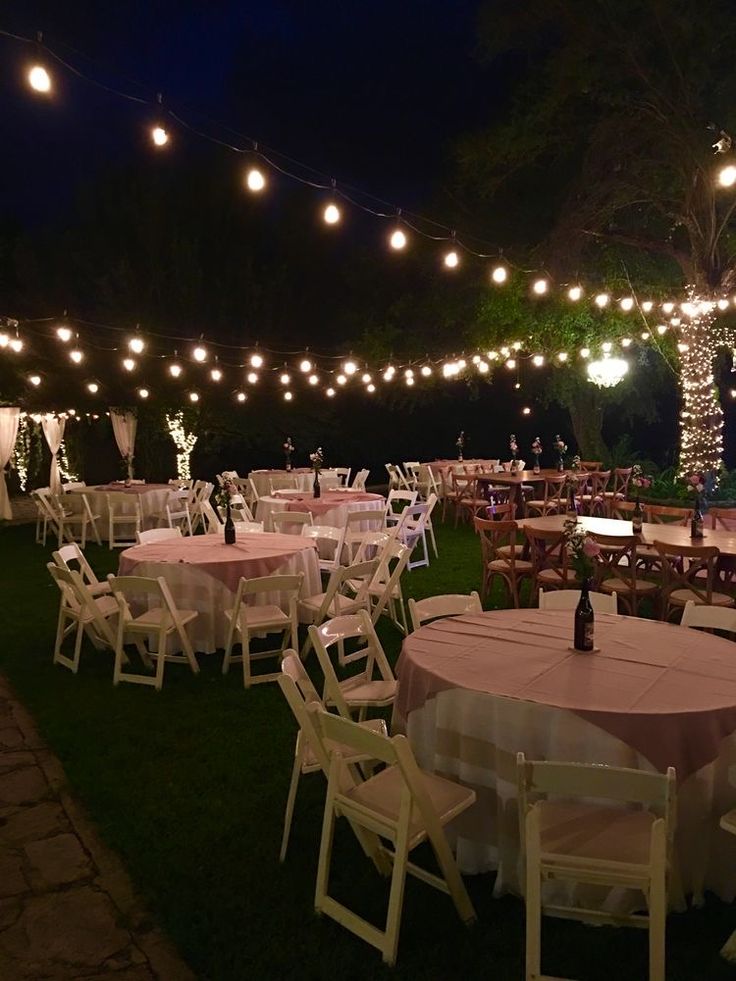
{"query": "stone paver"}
pixel 67 908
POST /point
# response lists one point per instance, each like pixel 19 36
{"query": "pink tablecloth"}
pixel 475 690
pixel 666 691
pixel 120 488
pixel 296 501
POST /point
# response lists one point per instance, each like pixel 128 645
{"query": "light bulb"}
pixel 241 396
pixel 626 304
pixel 365 378
pixel 199 353
pixel 288 396
pixel 305 366
pixel 35 380
pixel 647 306
pixel 254 179
pixel 4 340
pixel 64 334
pixel 601 300
pixel 136 345
pixel 143 392
pixel 313 379
pixel 331 214
pixel 256 361
pixel 526 411
pixel 682 347
pixel 662 329
pixel 341 379
pixel 193 397
pixel 93 387
pixel 517 386
pixel 128 364
pixel 397 240
pixel 175 370
pixel 668 307
pixel 371 388
pixel 409 381
pixel 538 360
pixel 562 356
pixel 330 393
pixel 285 378
pixel 451 259
pixel 492 355
pixel 645 335
pixel 159 136
pixel 723 304
pixel 16 344
pixel 511 364
pixel 426 370
pixel 625 341
pixel 574 293
pixel 39 79
pixel 76 356
pixel 540 286
pixel 252 377
pixel 483 367
pixel 350 367
pixel 216 375
pixel 606 347
pixel 500 274
pixel 727 176
pixel 409 373
pixel 584 352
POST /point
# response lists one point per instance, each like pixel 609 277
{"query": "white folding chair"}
pixel 176 511
pixel 311 754
pixel 401 804
pixel 81 612
pixel 373 520
pixel 568 599
pixel 575 829
pixel 334 601
pixel 42 514
pixel 404 498
pixel 394 478
pixel 359 691
pixel 411 470
pixel 161 622
pixel 709 617
pixel 384 590
pixel 70 555
pixel 199 496
pixel 73 485
pixel 432 501
pixel 123 512
pixel 290 522
pixel 240 513
pixel 247 528
pixel 447 605
pixel 260 617
pixel 359 479
pixel 67 521
pixel 328 554
pixel 343 475
pixel 210 520
pixel 283 482
pixel 158 535
pixel 412 530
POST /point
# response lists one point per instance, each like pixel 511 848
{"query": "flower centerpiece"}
pixel 577 464
pixel 317 460
pixel 514 447
pixel 537 451
pixel 288 448
pixel 460 444
pixel 228 496
pixel 639 480
pixel 561 448
pixel 582 549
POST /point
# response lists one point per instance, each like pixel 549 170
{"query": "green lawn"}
pixel 189 787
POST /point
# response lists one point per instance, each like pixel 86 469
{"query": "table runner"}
pixel 252 555
pixel 665 690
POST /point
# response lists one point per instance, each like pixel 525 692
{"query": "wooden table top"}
pixel 519 476
pixel 671 534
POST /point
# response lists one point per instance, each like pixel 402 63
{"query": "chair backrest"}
pixel 359 480
pixel 77 597
pixel 69 555
pixel 240 513
pixel 495 535
pixel 681 565
pixel 326 533
pixel 122 505
pixel 73 485
pixel 447 605
pixel 554 489
pixel 181 483
pixel 617 558
pixel 623 509
pixel 335 633
pixel 373 541
pixel 288 585
pixel 546 549
pixel 375 519
pixel 500 512
pixel 591 464
pixel 210 517
pixel 709 617
pixel 124 588
pixel 404 498
pixel 284 482
pixel 281 520
pixel 247 527
pixel 157 535
pixel 596 483
pixel 343 473
pixel 568 599
pixel 300 694
pixel 360 575
pixel 413 520
pixel 659 514
pixel 386 580
pixel 724 518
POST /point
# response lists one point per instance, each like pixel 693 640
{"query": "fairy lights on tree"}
pixel 183 441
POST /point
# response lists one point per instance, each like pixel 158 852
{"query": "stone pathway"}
pixel 67 907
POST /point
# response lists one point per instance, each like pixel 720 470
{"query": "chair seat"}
pixel 358 691
pixel 593 831
pixel 107 606
pixel 262 616
pixel 311 605
pixel 557 576
pixel 679 597
pixel 97 589
pixel 152 618
pixel 624 586
pixel 382 794
pixel 509 550
pixel 502 565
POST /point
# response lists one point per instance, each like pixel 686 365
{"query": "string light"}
pixel 137 345
pixel 129 364
pixel 175 369
pixel 538 360
pixel 241 396
pixel 647 306
pixel 723 304
pixel 159 135
pixel 252 378
pixel 4 339
pixel 727 176
pixel 305 366
pixel 16 344
pixel 645 335
pixel 330 393
pixel 331 214
pixel 627 304
pixel 199 353
pixel 526 411
pixel 288 396
pixel 574 293
pixel 602 300
pixel 562 356
pixel 39 79
pixel 285 378
pixel 426 370
pixel 668 307
pixel 540 286
pixel 255 180
pixel 194 397
pixel 662 329
pixel 483 367
pixel 625 342
pixel 350 367
pixel 409 381
pixel 341 379
pixel 371 388
pixel 606 347
pixel 397 241
pixel 451 259
pixel 93 388
pixel 313 379
pixel 183 441
pixel 701 417
pixel 256 361
pixel 35 380
pixel 365 378
pixel 216 375
pixel 584 352
pixel 499 275
pixel 64 334
pixel 143 392
pixel 76 356
pixel 511 364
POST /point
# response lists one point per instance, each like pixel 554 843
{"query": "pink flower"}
pixel 591 548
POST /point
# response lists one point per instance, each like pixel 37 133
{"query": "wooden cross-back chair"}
pixel 620 489
pixel 501 555
pixel 553 500
pixel 549 558
pixel 689 573
pixel 616 571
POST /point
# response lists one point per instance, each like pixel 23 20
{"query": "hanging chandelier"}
pixel 607 372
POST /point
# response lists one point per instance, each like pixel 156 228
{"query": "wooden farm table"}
pixel 514 480
pixel 671 534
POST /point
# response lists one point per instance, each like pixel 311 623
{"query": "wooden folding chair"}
pixel 402 805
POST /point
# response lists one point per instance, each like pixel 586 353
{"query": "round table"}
pixel 331 508
pixel 304 477
pixel 476 689
pixel 152 499
pixel 203 574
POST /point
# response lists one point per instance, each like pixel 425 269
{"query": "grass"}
pixel 188 786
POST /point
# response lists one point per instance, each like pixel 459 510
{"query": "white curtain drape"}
pixel 124 425
pixel 53 430
pixel 8 432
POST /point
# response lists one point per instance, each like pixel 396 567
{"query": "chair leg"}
pixel 291 798
pixel 229 645
pixel 533 915
pixel 657 914
pixel 325 852
pixel 396 895
pixel 245 640
pixel 451 875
